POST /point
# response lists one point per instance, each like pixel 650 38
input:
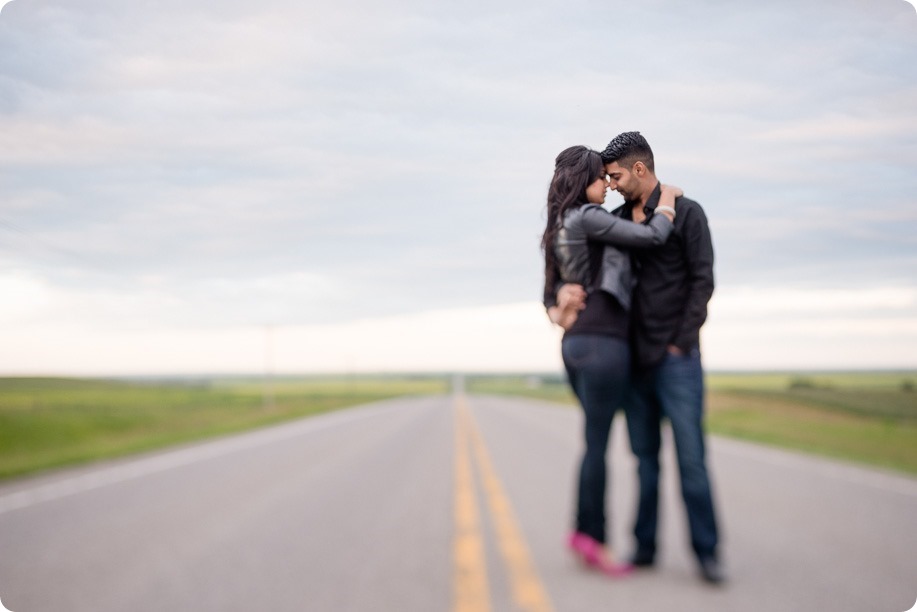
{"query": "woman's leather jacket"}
pixel 590 222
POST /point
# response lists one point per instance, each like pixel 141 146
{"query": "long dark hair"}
pixel 574 170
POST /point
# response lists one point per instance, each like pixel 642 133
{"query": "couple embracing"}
pixel 630 288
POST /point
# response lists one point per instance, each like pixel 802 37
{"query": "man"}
pixel 669 306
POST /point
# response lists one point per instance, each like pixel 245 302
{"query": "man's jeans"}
pixel 598 368
pixel 674 389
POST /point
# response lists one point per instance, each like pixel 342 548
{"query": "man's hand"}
pixel 570 300
pixel 571 297
pixel 563 318
pixel 674 350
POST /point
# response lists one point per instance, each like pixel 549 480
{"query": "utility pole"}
pixel 268 367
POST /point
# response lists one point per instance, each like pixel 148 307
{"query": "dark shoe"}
pixel 711 570
pixel 643 558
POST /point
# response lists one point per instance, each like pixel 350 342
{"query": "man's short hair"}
pixel 627 149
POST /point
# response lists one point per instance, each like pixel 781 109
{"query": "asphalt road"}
pixel 435 504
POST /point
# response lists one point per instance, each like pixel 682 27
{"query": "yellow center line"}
pixel 527 589
pixel 470 586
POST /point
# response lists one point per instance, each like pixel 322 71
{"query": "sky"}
pixel 295 187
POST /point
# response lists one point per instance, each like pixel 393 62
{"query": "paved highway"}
pixel 437 504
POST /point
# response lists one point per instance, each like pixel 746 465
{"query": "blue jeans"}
pixel 674 389
pixel 598 368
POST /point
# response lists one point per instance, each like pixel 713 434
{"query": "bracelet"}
pixel 667 209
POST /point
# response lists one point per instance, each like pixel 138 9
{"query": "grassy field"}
pixel 48 422
pixel 866 417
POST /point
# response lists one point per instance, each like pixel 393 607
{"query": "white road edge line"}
pixel 139 468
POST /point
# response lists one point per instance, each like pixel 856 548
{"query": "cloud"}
pixel 748 329
pixel 778 302
pixel 301 163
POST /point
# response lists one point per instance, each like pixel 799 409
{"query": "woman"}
pixel 583 243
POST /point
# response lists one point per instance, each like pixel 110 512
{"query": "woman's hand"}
pixel 666 204
pixel 675 192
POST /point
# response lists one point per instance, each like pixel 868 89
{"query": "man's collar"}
pixel 653 201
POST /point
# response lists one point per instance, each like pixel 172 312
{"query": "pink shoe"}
pixel 616 570
pixel 579 543
pixel 590 551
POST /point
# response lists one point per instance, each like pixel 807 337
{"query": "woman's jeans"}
pixel 674 389
pixel 598 368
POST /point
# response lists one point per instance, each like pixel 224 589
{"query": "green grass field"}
pixel 44 422
pixel 865 417
pixel 47 422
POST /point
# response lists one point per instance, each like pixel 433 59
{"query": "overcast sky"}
pixel 225 186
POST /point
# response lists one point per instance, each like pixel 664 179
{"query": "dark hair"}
pixel 574 170
pixel 627 149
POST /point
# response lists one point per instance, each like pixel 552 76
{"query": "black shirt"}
pixel 603 315
pixel 674 283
